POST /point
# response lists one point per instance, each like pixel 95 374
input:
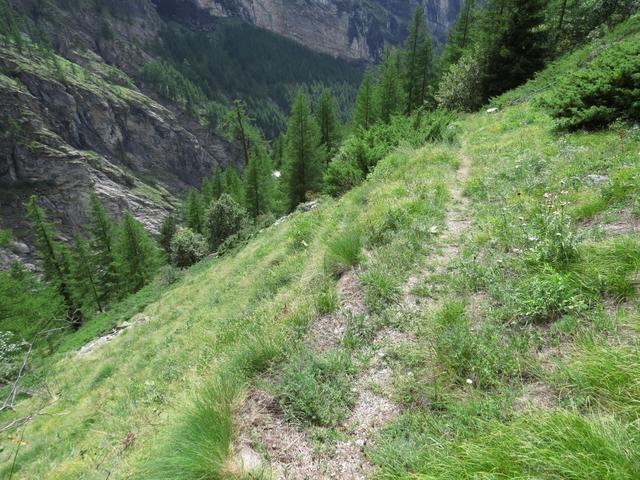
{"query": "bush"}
pixel 606 91
pixel 342 175
pixel 461 86
pixel 317 389
pixel 225 217
pixel 187 248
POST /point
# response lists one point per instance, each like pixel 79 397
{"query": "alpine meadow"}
pixel 308 240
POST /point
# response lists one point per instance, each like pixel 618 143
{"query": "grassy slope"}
pixel 540 312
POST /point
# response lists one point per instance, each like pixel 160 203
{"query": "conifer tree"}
pixel 414 49
pixel 55 260
pixel 239 127
pixel 217 182
pixel 258 182
pixel 515 43
pixel 461 37
pixel 233 184
pixel 136 254
pixel 206 192
pixel 167 232
pixel 302 155
pixel 389 93
pixel 364 111
pixel 84 274
pixel 101 230
pixel 328 122
pixel 194 211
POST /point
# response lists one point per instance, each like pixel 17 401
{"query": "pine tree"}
pixel 194 211
pixel 207 192
pixel 515 43
pixel 85 274
pixel 364 111
pixel 239 127
pixel 462 35
pixel 414 49
pixel 233 185
pixel 258 182
pixel 389 91
pixel 302 156
pixel 136 254
pixel 426 70
pixel 167 232
pixel 101 230
pixel 55 261
pixel 328 122
pixel 217 182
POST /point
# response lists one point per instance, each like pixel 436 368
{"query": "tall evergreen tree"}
pixel 240 128
pixel 167 232
pixel 389 92
pixel 55 260
pixel 85 275
pixel 206 192
pixel 136 254
pixel 233 184
pixel 462 35
pixel 101 229
pixel 258 182
pixel 194 211
pixel 364 111
pixel 414 50
pixel 302 156
pixel 217 182
pixel 515 43
pixel 328 122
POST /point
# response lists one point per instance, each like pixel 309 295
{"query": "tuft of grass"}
pixel 199 446
pixel 344 251
pixel 317 389
pixel 381 289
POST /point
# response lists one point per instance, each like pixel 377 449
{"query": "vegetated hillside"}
pixel 471 310
pixel 106 97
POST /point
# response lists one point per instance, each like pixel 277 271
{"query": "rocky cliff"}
pixel 352 29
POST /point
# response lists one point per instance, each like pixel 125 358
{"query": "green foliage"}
pixel 317 389
pixel 390 89
pixel 239 127
pixel 136 254
pixel 187 248
pixel 364 112
pixel 232 185
pixel 605 91
pixel 514 43
pixel 303 155
pixel 462 36
pixel 85 277
pixel 342 175
pixel 101 230
pixel 225 217
pixel 172 84
pixel 418 62
pixel 461 85
pixel 168 229
pixel 259 185
pixel 327 118
pixel 5 237
pixel 194 212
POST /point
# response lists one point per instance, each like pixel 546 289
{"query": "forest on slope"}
pixel 462 299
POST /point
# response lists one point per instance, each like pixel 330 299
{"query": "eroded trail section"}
pixel 269 445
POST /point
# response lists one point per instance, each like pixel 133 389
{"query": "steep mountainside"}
pixel 353 29
pixel 77 115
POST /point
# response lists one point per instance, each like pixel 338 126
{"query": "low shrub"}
pixel 605 91
pixel 461 86
pixel 317 389
pixel 344 251
pixel 225 217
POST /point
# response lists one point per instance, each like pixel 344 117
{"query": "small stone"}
pixel 597 179
pixel 492 110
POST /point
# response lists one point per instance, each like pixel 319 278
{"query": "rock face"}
pixel 69 128
pixel 352 29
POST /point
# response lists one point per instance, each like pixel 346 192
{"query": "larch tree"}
pixel 168 230
pixel 258 182
pixel 302 155
pixel 239 127
pixel 85 275
pixel 101 230
pixel 194 211
pixel 389 91
pixel 414 45
pixel 233 184
pixel 462 35
pixel 136 254
pixel 328 122
pixel 364 111
pixel 55 260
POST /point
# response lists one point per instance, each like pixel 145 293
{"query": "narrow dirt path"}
pixel 268 443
